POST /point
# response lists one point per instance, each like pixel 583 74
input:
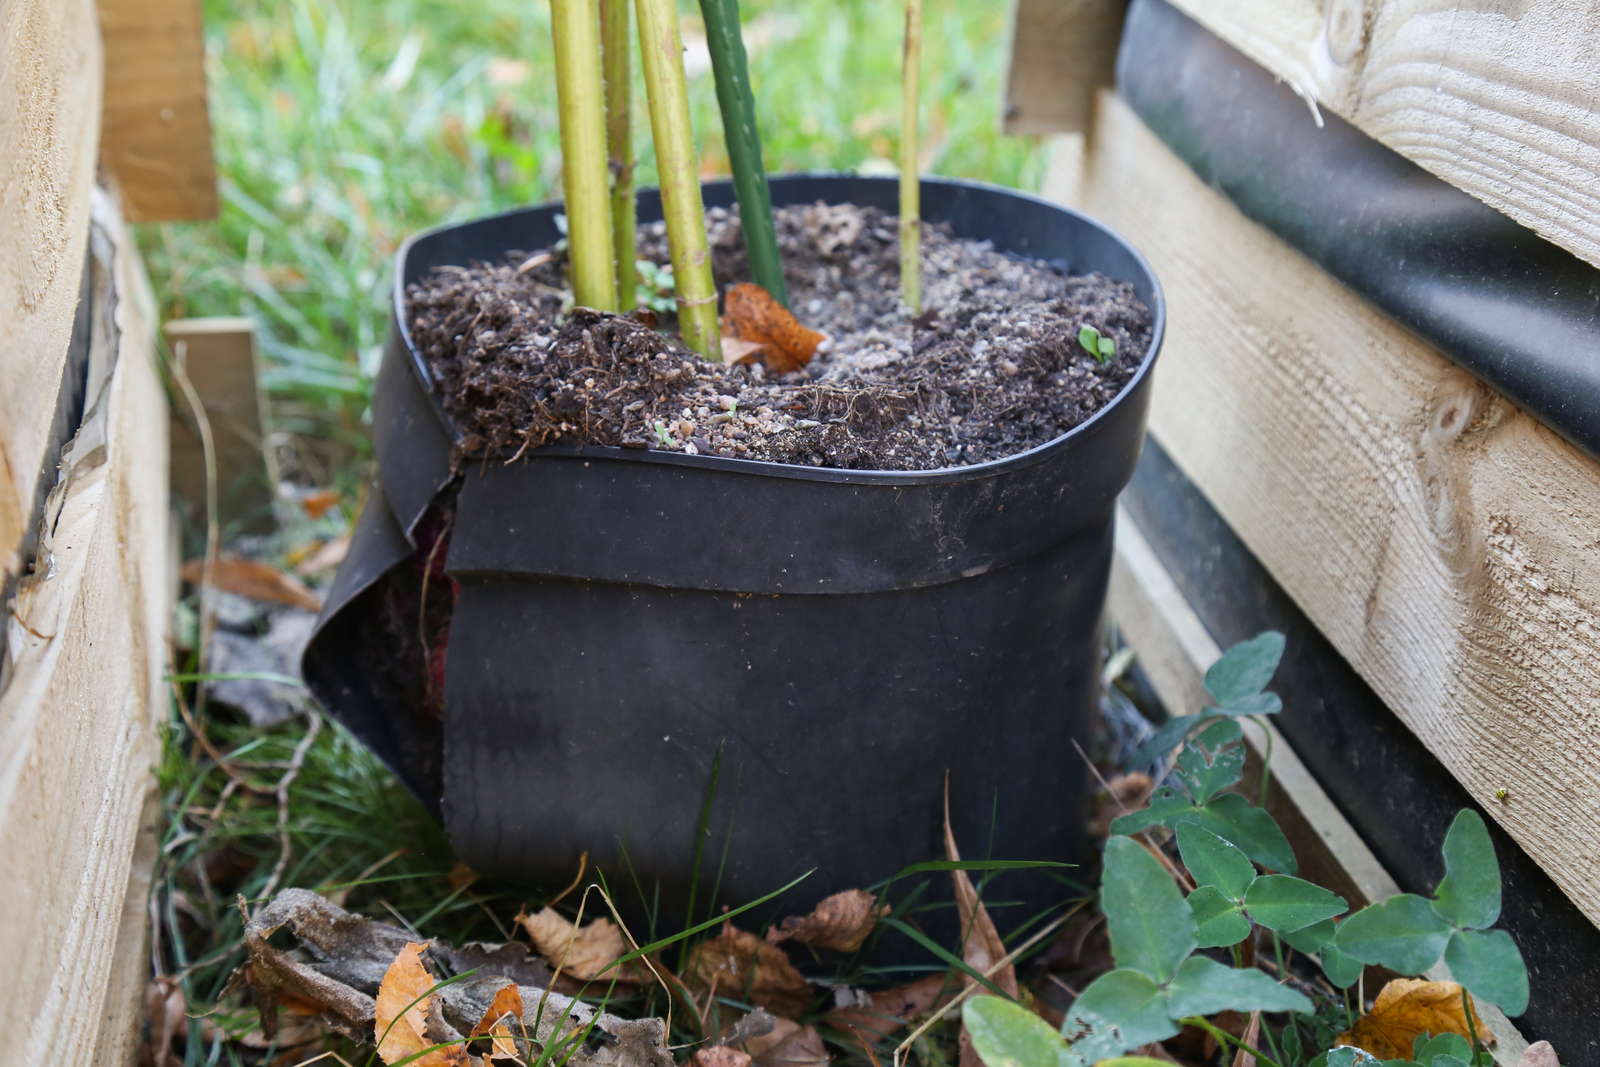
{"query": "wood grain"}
pixel 1175 649
pixel 49 125
pixel 1496 97
pixel 80 694
pixel 1442 539
pixel 1061 52
pixel 157 130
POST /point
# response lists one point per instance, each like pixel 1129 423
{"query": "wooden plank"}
pixel 1494 96
pixel 49 125
pixel 219 357
pixel 1175 649
pixel 82 689
pixel 1061 52
pixel 1444 541
pixel 157 139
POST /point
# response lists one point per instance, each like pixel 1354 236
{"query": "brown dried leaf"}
pixel 324 557
pixel 401 1013
pixel 720 1056
pixel 1252 1037
pixel 788 1045
pixel 1407 1008
pixel 585 953
pixel 504 1009
pixel 981 947
pixel 253 579
pixel 739 964
pixel 1539 1054
pixel 840 922
pixel 319 502
pixel 736 351
pixel 890 1009
pixel 750 313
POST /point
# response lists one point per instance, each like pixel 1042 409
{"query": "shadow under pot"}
pixel 557 656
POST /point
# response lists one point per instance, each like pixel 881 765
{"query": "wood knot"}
pixel 1348 25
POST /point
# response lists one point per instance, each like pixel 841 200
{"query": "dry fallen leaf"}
pixel 401 1014
pixel 504 1010
pixel 253 579
pixel 323 557
pixel 736 351
pixel 1407 1008
pixel 887 1010
pixel 720 1056
pixel 840 922
pixel 1251 1038
pixel 788 1044
pixel 585 953
pixel 750 313
pixel 981 947
pixel 739 964
pixel 319 502
pixel 1539 1054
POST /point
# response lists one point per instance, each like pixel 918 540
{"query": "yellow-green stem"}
pixel 910 192
pixel 616 73
pixel 661 49
pixel 575 25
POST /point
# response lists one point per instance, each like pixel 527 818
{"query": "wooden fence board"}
pixel 1061 52
pixel 80 692
pixel 1496 97
pixel 157 140
pixel 49 125
pixel 1444 541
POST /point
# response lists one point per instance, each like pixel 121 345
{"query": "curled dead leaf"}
pixel 585 953
pixel 739 964
pixel 887 1010
pixel 1406 1009
pixel 405 998
pixel 788 1044
pixel 981 947
pixel 840 922
pixel 504 1010
pixel 253 579
pixel 751 314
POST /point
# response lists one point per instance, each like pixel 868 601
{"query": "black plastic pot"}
pixel 843 638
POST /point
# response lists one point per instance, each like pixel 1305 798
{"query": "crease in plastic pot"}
pixel 844 638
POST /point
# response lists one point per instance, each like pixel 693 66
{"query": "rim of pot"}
pixel 767 468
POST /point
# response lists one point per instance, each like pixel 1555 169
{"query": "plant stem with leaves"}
pixel 661 49
pixel 910 191
pixel 617 77
pixel 575 25
pixel 732 73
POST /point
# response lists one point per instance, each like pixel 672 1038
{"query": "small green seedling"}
pixel 1097 344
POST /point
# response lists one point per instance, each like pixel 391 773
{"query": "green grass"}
pixel 341 127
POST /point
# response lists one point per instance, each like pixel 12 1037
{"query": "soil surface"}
pixel 991 368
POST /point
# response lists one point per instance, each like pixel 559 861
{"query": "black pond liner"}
pixel 843 638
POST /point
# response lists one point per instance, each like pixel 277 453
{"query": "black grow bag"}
pixel 844 638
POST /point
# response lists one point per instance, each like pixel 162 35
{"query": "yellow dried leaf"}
pixel 503 1010
pixel 737 963
pixel 840 922
pixel 585 953
pixel 401 1011
pixel 1406 1009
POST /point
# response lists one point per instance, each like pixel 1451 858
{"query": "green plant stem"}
pixel 1223 1037
pixel 575 25
pixel 910 190
pixel 738 105
pixel 1266 758
pixel 661 50
pixel 616 74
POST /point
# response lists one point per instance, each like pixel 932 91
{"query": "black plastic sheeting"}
pixel 1517 311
